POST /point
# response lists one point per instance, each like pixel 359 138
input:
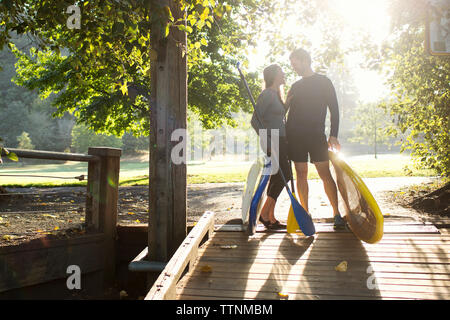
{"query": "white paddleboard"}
pixel 250 188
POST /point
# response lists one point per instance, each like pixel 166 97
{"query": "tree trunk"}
pixel 167 207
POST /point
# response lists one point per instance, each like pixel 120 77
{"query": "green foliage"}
pixel 83 138
pixel 25 141
pixel 100 73
pixel 371 126
pixel 132 145
pixel 420 85
pixel 22 110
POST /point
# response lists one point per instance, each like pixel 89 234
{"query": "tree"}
pixel 22 110
pixel 83 138
pixel 132 145
pixel 25 141
pixel 100 73
pixel 421 88
pixel 371 126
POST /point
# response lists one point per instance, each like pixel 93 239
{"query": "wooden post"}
pixel 101 201
pixel 167 207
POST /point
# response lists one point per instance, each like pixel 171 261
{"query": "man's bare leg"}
pixel 301 168
pixel 323 169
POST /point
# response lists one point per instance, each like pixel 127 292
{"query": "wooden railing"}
pixel 184 258
pixel 102 193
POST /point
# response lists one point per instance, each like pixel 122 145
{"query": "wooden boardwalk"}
pixel 412 261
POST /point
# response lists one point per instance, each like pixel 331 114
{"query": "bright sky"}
pixel 367 15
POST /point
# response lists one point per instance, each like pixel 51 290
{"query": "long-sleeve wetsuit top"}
pixel 308 107
pixel 272 111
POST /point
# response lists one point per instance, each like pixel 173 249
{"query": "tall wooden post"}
pixel 101 202
pixel 167 208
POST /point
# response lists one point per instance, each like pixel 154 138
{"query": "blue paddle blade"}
pixel 304 220
pixel 253 215
pixel 257 198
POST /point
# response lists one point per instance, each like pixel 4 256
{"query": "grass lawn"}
pixel 136 173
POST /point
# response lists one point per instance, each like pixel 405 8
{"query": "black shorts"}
pixel 301 145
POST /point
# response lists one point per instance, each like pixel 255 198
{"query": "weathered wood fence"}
pixel 36 263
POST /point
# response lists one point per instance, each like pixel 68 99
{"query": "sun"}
pixel 365 15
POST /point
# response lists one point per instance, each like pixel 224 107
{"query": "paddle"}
pixel 304 220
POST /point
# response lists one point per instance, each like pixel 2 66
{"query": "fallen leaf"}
pixel 283 295
pixel 56 228
pixel 206 269
pixel 130 213
pixel 341 267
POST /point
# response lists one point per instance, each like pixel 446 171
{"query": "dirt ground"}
pixel 29 213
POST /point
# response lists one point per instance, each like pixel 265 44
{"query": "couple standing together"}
pixel 302 134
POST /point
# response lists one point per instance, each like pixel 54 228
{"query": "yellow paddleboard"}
pixel 361 211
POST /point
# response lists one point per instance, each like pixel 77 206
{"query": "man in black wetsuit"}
pixel 308 100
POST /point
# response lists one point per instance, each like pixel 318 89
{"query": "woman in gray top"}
pixel 272 110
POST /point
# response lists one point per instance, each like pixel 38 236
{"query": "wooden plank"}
pixel 331 235
pixel 309 287
pixel 327 246
pixel 48 260
pixel 293 259
pixel 269 295
pixel 285 263
pixel 323 276
pixel 336 243
pixel 406 266
pixel 164 287
pixel 208 294
pixel 388 229
pixel 230 228
pixel 287 240
pixel 311 252
pixel 443 239
pixel 349 241
pixel 49 242
pixel 132 234
pixel 378 270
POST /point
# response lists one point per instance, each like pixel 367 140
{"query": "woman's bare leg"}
pixel 268 210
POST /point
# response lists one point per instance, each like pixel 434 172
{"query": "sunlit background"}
pixel 369 16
